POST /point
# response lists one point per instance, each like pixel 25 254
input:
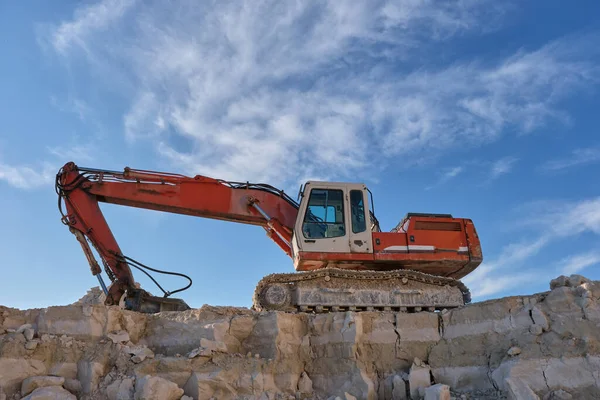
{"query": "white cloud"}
pixel 552 221
pixel 559 219
pixel 275 91
pixel 87 20
pixel 447 174
pixel 73 105
pixel 453 172
pixel 26 177
pixel 502 166
pixel 495 276
pixel 75 153
pixel 485 282
pixel 575 264
pixel 578 157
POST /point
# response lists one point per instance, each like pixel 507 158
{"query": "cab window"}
pixel 324 216
pixel 357 211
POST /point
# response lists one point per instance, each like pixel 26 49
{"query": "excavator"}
pixel 342 259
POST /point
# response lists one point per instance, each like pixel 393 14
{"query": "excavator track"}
pixel 334 289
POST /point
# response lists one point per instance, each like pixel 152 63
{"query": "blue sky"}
pixel 484 110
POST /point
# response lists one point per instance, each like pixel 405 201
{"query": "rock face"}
pixel 542 346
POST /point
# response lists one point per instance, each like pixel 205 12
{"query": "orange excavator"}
pixel 342 259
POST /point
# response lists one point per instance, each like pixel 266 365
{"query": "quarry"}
pixel 538 346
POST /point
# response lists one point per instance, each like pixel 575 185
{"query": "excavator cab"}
pixel 332 219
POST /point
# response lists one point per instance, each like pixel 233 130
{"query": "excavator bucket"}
pixel 141 301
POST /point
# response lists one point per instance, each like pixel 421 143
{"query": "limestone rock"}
pixel 398 388
pixel 22 328
pixel 139 353
pixel 67 370
pixel 156 388
pixel 437 392
pixel 213 345
pixel 32 345
pixel 558 395
pixel 119 337
pixel 15 370
pixel 34 382
pixel 121 390
pixel 89 374
pixel 419 377
pixel 518 390
pixel 514 351
pixel 348 396
pixel 305 385
pixel 522 346
pixel 28 333
pixel 50 393
pixel 72 385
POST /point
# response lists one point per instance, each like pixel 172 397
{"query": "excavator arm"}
pixel 82 189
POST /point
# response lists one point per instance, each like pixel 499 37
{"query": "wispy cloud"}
pixel 577 157
pixel 27 177
pixel 74 153
pixel 275 91
pixel 43 173
pixel 575 264
pixel 502 166
pixel 87 20
pixel 73 105
pixel 551 222
pixel 492 277
pixel 448 174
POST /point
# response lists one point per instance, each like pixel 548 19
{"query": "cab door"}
pixel 360 238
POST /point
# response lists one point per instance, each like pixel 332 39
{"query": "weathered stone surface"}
pixel 418 378
pixel 437 392
pixel 367 355
pixel 31 345
pixel 72 385
pixel 28 333
pixel 50 393
pixel 14 371
pixel 89 374
pixel 305 384
pixel 119 336
pixel 67 370
pixel 121 389
pixel 514 351
pixel 398 388
pixel 156 388
pixel 558 395
pixel 34 382
pixel 518 390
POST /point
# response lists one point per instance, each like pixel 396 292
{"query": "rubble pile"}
pixel 541 346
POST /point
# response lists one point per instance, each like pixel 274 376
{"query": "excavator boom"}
pixel 82 189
